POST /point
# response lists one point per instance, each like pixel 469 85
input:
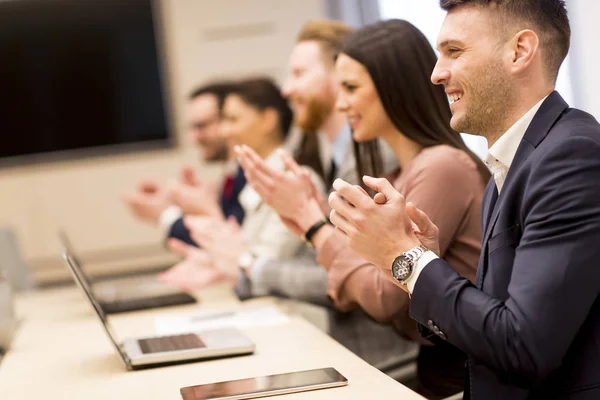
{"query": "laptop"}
pixel 138 353
pixel 129 293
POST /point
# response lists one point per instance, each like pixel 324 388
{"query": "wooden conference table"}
pixel 61 352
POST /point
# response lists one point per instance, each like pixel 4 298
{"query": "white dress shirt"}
pixel 498 159
pixel 341 145
pixel 501 154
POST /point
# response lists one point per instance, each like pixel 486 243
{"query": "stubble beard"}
pixel 216 153
pixel 317 112
pixel 491 100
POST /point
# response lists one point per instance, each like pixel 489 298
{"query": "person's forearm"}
pixel 353 281
pixel 320 238
pixel 179 231
pixel 503 335
pixel 300 279
pixel 309 215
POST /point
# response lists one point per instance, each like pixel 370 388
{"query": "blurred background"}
pixel 94 95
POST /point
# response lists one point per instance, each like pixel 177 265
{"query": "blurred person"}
pixel 255 115
pixel 312 89
pixel 206 104
pixel 384 73
pixel 531 321
pixel 165 205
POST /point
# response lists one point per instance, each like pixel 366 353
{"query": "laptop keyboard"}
pixel 171 343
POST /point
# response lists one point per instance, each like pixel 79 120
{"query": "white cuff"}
pixel 258 286
pixel 258 265
pixel 422 262
pixel 167 219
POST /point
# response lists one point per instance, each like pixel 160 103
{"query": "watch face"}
pixel 402 268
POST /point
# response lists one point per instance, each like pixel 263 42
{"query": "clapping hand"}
pixel 194 196
pixel 381 228
pixel 149 201
pixel 291 193
pixel 223 240
pixel 195 271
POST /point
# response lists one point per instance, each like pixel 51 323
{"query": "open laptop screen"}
pixel 75 269
pixel 68 246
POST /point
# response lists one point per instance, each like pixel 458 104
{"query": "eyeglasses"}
pixel 201 125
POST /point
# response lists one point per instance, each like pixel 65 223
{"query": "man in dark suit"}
pixel 229 205
pixel 164 206
pixel 531 324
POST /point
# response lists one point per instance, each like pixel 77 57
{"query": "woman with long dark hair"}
pixel 384 72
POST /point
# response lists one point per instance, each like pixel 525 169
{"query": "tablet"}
pixel 263 386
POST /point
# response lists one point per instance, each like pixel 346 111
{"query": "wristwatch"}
pixel 404 265
pixel 307 237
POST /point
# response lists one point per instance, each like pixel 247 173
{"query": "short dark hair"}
pixel 218 89
pixel 262 93
pixel 548 16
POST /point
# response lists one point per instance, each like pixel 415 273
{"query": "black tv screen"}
pixel 79 74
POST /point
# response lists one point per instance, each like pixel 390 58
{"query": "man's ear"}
pixel 525 48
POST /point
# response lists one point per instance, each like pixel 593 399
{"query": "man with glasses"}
pixel 165 206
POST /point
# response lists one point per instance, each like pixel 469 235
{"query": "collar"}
pixel 231 166
pixel 505 148
pixel 248 198
pixel 341 145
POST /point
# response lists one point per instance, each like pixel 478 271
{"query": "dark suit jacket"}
pixel 531 326
pixel 229 204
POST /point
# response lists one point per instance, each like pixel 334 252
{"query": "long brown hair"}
pixel 400 60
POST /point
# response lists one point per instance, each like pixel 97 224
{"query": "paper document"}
pixel 169 324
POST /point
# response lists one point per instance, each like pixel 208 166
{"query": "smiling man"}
pixel 530 325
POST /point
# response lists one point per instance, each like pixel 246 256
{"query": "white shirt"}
pixel 341 145
pixel 501 154
pixel 498 159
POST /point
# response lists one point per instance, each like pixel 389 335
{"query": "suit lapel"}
pixel 524 150
pixel 490 197
pixel 239 181
pixel 549 112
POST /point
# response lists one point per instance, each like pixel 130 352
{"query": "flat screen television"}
pixel 80 77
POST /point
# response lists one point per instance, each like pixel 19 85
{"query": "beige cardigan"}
pixel 269 238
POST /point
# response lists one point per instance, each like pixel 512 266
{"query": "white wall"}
pixel 204 39
pixel 585 55
pixel 577 81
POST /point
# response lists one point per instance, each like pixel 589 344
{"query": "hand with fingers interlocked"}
pixel 380 228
